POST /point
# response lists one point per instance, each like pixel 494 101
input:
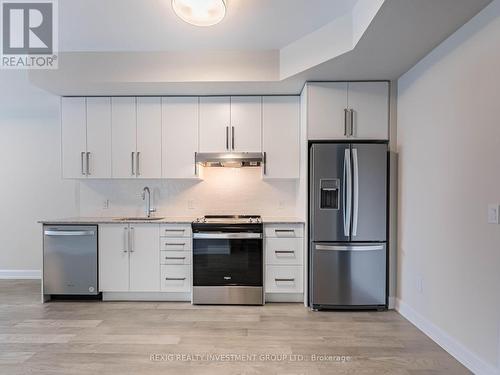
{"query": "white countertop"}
pixel 165 220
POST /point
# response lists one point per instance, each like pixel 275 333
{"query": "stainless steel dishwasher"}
pixel 70 260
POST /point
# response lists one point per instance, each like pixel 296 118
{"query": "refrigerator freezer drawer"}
pixel 348 275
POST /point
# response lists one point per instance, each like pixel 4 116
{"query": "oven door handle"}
pixel 227 236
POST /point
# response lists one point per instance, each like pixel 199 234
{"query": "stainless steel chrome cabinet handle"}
pixel 175 278
pixel 284 251
pixel 125 239
pixel 264 160
pixel 174 244
pixel 175 230
pixel 232 136
pixel 137 164
pixel 346 111
pixel 227 137
pixel 82 156
pixel 176 258
pixel 131 239
pixel 352 122
pixel 195 165
pixel 88 163
pixel 132 170
pixel 284 280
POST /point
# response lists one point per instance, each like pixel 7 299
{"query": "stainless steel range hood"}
pixel 230 159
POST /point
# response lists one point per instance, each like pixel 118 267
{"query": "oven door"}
pixel 227 259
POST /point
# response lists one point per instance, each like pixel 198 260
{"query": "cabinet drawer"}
pixel 284 230
pixel 175 278
pixel 284 251
pixel 175 230
pixel 284 279
pixel 175 244
pixel 176 257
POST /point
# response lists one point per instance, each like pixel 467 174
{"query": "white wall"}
pixel 222 191
pixel 30 184
pixel 449 165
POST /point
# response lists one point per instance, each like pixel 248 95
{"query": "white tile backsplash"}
pixel 221 191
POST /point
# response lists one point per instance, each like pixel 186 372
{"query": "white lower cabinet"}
pixel 144 252
pixel 176 258
pixel 128 258
pixel 176 278
pixel 284 279
pixel 284 254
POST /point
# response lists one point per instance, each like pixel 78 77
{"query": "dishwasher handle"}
pixel 69 233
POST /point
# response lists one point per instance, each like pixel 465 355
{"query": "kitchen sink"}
pixel 142 218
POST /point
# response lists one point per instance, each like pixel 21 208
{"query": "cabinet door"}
pixel 326 106
pixel 246 124
pixel 370 104
pixel 148 159
pixel 215 122
pixel 123 115
pixel 74 137
pixel 180 136
pixel 113 258
pixel 99 137
pixel 281 136
pixel 144 258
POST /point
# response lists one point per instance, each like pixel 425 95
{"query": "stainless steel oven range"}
pixel 228 260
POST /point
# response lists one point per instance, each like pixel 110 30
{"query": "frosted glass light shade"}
pixel 200 12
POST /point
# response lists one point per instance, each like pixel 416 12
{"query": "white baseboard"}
pixel 448 343
pixel 392 303
pixel 284 297
pixel 20 274
pixel 146 296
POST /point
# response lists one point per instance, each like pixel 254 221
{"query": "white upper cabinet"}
pixel 124 118
pixel 74 137
pixel 326 106
pixel 230 124
pixel 246 124
pixel 148 156
pixel 180 136
pixel 99 137
pixel 354 110
pixel 215 124
pixel 86 137
pixel 369 106
pixel 281 136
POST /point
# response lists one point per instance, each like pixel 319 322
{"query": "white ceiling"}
pixel 151 25
pixel 399 35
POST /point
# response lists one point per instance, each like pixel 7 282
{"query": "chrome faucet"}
pixel 149 210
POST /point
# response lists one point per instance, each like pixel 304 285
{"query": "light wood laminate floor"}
pixel 151 338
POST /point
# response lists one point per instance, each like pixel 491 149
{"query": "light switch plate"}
pixel 493 213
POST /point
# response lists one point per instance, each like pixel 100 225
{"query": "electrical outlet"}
pixel 105 204
pixel 281 205
pixel 493 213
pixel 191 204
pixel 420 284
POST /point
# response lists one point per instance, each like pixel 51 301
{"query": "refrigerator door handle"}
pixel 347 189
pixel 350 248
pixel 355 190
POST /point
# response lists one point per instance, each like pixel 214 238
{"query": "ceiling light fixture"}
pixel 200 12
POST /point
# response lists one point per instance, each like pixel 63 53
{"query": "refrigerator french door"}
pixel 348 225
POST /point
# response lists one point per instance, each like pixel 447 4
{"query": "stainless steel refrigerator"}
pixel 348 225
